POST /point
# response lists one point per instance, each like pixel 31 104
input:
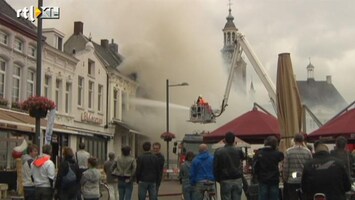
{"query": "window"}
pixel 30 83
pixel 96 146
pixel 91 68
pixel 46 88
pixel 18 45
pixel 91 95
pixel 58 86
pixel 80 90
pixel 60 43
pixel 2 77
pixel 4 38
pixel 115 103
pixel 67 97
pixel 9 140
pixel 16 79
pixel 99 98
pixel 32 51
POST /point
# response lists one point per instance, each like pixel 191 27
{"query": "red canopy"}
pixel 253 127
pixel 343 125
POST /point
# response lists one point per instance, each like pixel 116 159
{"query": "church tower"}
pixel 229 33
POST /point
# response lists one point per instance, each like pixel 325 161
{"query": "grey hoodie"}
pixel 90 183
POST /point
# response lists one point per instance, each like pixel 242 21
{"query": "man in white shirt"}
pixel 81 157
pixel 43 173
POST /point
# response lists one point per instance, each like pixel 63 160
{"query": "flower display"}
pixel 3 101
pixel 167 136
pixel 38 103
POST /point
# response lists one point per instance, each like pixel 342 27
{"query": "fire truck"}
pixel 190 142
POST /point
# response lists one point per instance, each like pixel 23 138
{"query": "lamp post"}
pixel 167 118
pixel 37 135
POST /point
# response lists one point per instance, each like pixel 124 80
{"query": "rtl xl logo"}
pixel 45 12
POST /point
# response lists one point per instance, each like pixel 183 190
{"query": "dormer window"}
pixel 18 45
pixel 91 68
pixel 59 43
pixel 4 38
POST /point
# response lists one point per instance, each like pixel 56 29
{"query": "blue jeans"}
pixel 125 190
pixel 231 189
pixel 144 187
pixel 268 191
pixel 187 191
pixel 200 189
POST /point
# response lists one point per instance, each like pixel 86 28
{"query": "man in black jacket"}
pixel 325 174
pixel 147 173
pixel 161 159
pixel 228 170
pixel 266 168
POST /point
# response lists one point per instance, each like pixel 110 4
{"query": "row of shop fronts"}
pixel 16 126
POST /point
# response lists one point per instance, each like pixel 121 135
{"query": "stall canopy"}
pixel 342 125
pixel 252 127
pixel 239 143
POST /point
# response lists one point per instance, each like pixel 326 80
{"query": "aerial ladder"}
pixel 203 113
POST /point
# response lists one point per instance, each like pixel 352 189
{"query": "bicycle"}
pixel 104 191
pixel 209 192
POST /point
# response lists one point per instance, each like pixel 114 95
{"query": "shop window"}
pixel 96 146
pixel 9 140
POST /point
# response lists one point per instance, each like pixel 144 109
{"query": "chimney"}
pixel 78 28
pixel 113 46
pixel 104 43
pixel 329 79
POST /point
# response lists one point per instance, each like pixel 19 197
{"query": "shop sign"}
pixel 88 117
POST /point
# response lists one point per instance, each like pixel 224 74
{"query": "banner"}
pixel 50 125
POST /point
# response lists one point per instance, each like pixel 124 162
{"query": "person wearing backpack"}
pixel 68 176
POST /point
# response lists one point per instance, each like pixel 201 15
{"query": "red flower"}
pixel 167 136
pixel 38 103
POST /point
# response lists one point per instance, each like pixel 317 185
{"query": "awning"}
pixel 126 126
pixel 13 120
pixel 88 132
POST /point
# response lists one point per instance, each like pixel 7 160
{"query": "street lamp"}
pixel 167 118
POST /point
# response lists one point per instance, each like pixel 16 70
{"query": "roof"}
pixel 78 42
pixel 251 127
pixel 230 24
pixel 343 125
pixel 321 94
pixel 8 15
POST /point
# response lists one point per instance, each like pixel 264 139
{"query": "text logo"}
pixel 45 12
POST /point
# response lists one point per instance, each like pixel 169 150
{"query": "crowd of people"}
pixel 301 172
pixel 78 177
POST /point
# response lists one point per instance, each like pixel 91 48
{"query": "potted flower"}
pixel 167 136
pixel 3 101
pixel 38 106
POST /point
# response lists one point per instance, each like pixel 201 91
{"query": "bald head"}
pixel 202 148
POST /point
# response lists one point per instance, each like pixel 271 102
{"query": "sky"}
pixel 180 40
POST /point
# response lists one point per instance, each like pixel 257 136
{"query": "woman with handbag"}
pixel 124 169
